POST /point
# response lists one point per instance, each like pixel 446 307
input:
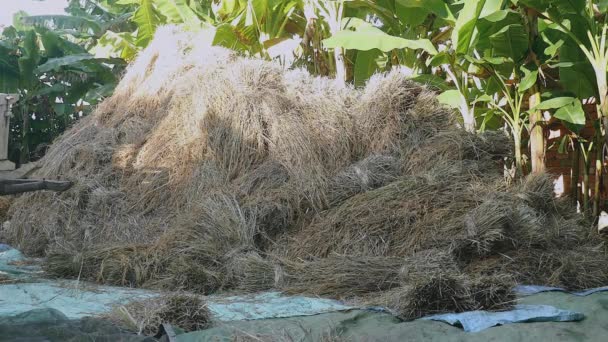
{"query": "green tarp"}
pixel 360 325
pixel 36 309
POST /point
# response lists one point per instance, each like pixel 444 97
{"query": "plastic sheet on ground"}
pixel 23 290
pixel 13 265
pixel 50 325
pixel 527 290
pixel 28 295
pixel 80 299
pixel 475 321
pixel 270 305
pixel 75 300
pixel 361 325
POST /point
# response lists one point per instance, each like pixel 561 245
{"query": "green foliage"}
pixel 121 44
pixel 572 113
pixel 465 30
pixel 528 80
pixel 368 38
pixel 556 102
pixel 511 41
pixel 177 11
pixel 58 81
pixel 451 98
pixel 367 63
pixel 147 19
pixel 420 8
pixel 78 26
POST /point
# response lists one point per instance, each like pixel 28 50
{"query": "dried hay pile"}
pixel 5 204
pixel 187 311
pixel 207 171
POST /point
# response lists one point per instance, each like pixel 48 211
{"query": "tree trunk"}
pixel 469 121
pixel 335 25
pixel 24 155
pixel 598 174
pixel 537 135
pixel 519 168
pixel 597 188
pixel 602 88
pixel 605 126
pixel 586 185
pixel 468 114
pixel 602 127
pixel 576 167
pixel 340 65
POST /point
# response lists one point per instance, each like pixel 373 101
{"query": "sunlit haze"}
pixel 9 7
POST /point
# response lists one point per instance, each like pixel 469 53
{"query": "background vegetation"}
pixel 514 65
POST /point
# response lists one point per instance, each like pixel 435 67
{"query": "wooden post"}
pixel 6 101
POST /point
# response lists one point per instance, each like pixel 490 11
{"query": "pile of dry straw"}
pixel 207 171
pixel 186 311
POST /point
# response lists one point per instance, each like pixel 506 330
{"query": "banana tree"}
pixel 85 19
pixel 583 55
pixel 505 44
pixel 332 13
pixel 451 48
pixel 394 42
pixel 57 80
pixel 121 26
pixel 583 48
pixel 267 29
pixel 454 30
pixel 569 110
pixel 508 101
pixel 464 34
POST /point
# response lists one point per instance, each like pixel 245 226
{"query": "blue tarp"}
pixel 475 321
pixel 15 266
pixel 75 300
pixel 270 305
pixel 526 290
